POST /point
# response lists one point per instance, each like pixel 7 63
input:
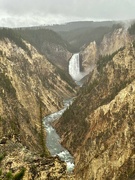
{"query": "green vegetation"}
pixel 44 40
pixel 103 60
pixel 131 29
pixel 65 77
pixel 90 87
pixel 37 37
pixel 77 38
pixel 79 24
pixel 9 176
pixel 2 156
pixel 20 174
pixel 45 151
pixel 17 176
pixel 134 44
pixel 5 83
pixel 72 37
pixel 80 37
pixel 15 37
pixel 0 172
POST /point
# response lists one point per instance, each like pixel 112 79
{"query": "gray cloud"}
pixel 36 12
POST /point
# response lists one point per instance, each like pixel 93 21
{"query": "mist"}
pixel 39 12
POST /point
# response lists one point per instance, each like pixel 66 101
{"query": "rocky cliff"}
pixel 30 88
pixel 18 162
pixel 99 127
pixel 89 56
pixel 25 83
pixel 110 43
pixel 114 41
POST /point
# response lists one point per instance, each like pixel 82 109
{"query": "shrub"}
pixel 131 29
pixel 0 172
pixel 9 176
pixel 2 157
pixel 6 84
pixel 19 175
pixel 103 60
pixel 15 37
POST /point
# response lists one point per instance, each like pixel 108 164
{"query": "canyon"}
pixel 99 125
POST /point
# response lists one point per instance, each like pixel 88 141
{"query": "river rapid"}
pixel 53 139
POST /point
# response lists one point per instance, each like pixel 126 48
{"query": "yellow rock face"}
pixel 19 159
pixel 26 82
pixel 109 44
pixel 99 128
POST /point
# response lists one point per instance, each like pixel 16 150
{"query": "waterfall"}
pixel 74 68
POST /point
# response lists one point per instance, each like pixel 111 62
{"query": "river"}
pixel 53 139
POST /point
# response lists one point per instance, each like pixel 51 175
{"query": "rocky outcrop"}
pixel 99 126
pixel 114 41
pixel 109 144
pixel 18 162
pixel 111 43
pixel 90 56
pixel 27 81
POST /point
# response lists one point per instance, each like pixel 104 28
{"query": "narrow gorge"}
pixel 52 138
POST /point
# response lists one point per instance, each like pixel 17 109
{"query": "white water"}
pixel 74 68
pixel 53 140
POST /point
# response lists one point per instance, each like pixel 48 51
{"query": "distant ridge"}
pixel 79 24
pixel 72 25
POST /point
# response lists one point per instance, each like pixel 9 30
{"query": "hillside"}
pixel 98 128
pixel 48 43
pixel 30 88
pixel 79 24
pixel 79 34
pixel 110 43
pixel 131 29
pixel 81 37
pixel 29 76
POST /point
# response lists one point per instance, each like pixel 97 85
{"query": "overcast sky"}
pixel 14 13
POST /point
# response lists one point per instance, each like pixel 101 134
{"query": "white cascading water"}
pixel 53 139
pixel 74 68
